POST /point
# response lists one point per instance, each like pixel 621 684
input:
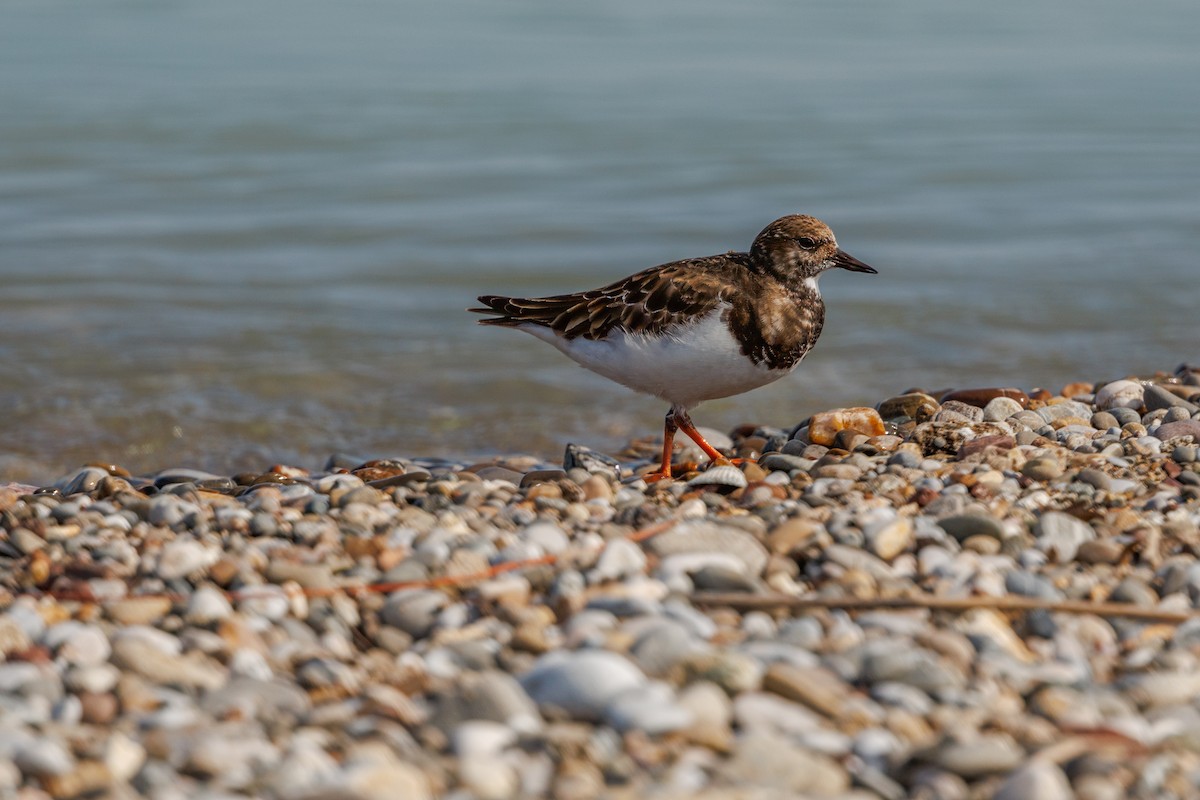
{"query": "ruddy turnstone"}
pixel 697 329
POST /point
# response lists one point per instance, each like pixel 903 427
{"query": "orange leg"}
pixel 664 470
pixel 678 420
pixel 685 424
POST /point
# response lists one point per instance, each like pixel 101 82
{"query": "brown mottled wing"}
pixel 648 302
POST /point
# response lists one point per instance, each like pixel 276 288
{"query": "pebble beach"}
pixel 954 594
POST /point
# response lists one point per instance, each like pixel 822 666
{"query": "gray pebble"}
pixel 964 526
pixel 1029 585
pixel 1059 535
pixel 413 611
pixel 581 683
pixel 650 708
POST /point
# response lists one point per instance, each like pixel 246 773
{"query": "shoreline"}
pixel 984 593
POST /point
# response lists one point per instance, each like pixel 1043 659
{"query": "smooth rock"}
pixel 414 611
pixel 1120 394
pixel 889 538
pixel 988 754
pixel 1036 780
pixel 650 708
pixel 207 605
pixel 773 762
pixel 704 536
pixel 1001 408
pixel 1043 468
pixel 486 695
pixel 621 558
pixel 182 557
pixel 581 683
pixel 78 644
pixel 1156 397
pixel 1059 535
pixel 964 526
pixel 138 610
pixel 150 662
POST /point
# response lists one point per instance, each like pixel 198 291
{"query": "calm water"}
pixel 232 234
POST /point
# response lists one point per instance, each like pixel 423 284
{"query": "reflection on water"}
pixel 234 235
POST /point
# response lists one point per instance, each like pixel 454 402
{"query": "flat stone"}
pixel 774 762
pixel 310 576
pixel 1029 585
pixel 1065 410
pixel 137 655
pixel 138 610
pixel 1187 427
pixel 815 687
pixel 964 526
pixel 272 700
pixel 988 754
pixel 373 780
pixel 703 536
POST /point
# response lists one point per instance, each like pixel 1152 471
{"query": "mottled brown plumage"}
pixel 766 301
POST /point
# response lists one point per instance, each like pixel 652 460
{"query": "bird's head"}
pixel 798 248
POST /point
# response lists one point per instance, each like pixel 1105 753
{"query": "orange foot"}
pixel 678 420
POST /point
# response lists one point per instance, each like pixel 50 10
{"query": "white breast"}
pixel 684 366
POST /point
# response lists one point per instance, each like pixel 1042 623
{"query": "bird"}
pixel 697 329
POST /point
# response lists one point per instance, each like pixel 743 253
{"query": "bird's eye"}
pixel 806 242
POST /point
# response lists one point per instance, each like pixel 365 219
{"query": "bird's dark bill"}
pixel 846 261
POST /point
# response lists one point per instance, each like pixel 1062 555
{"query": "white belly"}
pixel 685 366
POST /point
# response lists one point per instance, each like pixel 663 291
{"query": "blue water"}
pixel 234 234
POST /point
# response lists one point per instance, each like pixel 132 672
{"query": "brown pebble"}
pixel 551 490
pixel 753 472
pixel 917 405
pixel 138 610
pixel 981 397
pixel 815 687
pixel 793 535
pixel 597 488
pixel 1100 551
pixel 98 709
pixel 751 446
pixel 224 571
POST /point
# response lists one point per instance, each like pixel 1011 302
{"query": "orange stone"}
pixel 823 427
pixel 1077 389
